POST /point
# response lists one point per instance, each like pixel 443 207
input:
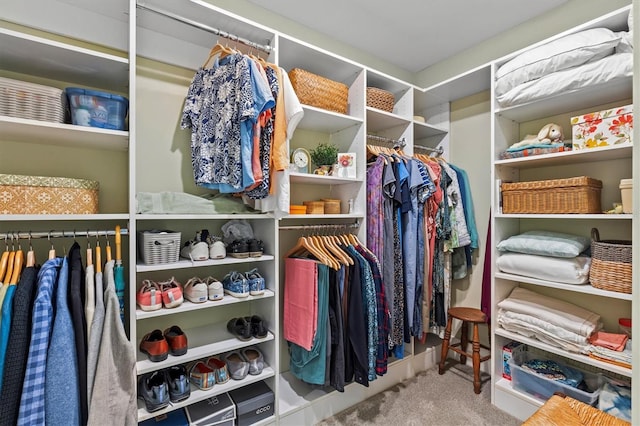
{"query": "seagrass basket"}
pixel 610 264
pixel 380 99
pixel 331 206
pixel 319 91
pixel 569 195
pixel 314 207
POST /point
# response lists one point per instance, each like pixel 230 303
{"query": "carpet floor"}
pixel 429 399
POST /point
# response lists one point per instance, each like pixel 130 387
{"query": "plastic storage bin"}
pixel 159 246
pixel 97 109
pixel 626 188
pixel 536 385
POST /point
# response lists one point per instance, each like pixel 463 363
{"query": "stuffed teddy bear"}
pixel 550 133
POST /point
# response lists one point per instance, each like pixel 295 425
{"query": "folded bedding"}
pixel 554 311
pixel 557 269
pixel 618 66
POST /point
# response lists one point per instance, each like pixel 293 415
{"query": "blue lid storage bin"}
pixel 97 109
pixel 541 387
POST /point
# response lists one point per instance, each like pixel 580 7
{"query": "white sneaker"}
pixel 217 249
pixel 195 290
pixel 216 292
pixel 195 250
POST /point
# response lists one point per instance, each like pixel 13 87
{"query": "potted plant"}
pixel 325 155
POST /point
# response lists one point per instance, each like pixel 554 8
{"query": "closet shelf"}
pixel 567 101
pixel 60 134
pixel 585 288
pixel 199 395
pixel 312 179
pixel 325 216
pixel 247 216
pixel 566 354
pixel 595 216
pixel 322 120
pixel 204 341
pixel 185 263
pixel 380 120
pixel 613 152
pixel 32 55
pixel 424 130
pixel 64 217
pixel 187 306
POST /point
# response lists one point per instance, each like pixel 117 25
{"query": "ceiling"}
pixel 412 34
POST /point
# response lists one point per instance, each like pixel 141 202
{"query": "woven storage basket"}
pixel 571 195
pixel 331 206
pixel 381 99
pixel 318 91
pixel 610 264
pixel 31 101
pixel 314 207
pixel 21 194
pixel 156 247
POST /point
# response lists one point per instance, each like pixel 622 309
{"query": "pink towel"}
pixel 300 301
pixel 613 341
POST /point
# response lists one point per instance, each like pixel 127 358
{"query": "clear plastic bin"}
pixel 543 388
pixel 97 109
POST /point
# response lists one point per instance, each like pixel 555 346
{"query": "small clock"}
pixel 301 158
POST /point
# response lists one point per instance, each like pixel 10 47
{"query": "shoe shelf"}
pixel 199 394
pixel 566 354
pixel 187 306
pixel 186 263
pixel 204 341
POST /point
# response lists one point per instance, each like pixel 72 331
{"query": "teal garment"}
pixel 310 366
pixel 5 326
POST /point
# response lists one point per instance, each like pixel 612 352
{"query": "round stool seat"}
pixel 468 314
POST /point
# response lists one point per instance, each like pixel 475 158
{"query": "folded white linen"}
pixel 557 312
pixel 543 331
pixel 573 270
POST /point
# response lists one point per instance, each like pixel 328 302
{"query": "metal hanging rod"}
pixel 320 226
pixel 58 234
pixel 439 150
pixel 263 47
pixel 396 142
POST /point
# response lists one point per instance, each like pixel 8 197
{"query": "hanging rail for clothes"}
pixel 320 226
pixel 397 143
pixel 58 234
pixel 439 150
pixel 262 47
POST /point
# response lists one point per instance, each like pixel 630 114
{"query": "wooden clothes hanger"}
pixel 218 49
pixel 31 255
pixel 305 245
pixel 18 263
pixel 4 260
pixel 10 263
pixel 52 250
pixel 343 257
pixel 319 243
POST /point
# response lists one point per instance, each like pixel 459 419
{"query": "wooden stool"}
pixel 466 315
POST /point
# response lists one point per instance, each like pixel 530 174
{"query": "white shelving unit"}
pixel 608 164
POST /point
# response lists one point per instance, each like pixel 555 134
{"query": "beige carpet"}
pixel 429 399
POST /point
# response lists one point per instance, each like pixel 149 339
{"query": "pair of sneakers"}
pixel 203 247
pixel 152 296
pixel 244 248
pixel 198 290
pixel 242 285
pixel 160 388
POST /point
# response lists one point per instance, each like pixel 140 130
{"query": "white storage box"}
pixel 626 190
pixel 541 387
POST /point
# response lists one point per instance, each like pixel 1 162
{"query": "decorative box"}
pixel 603 128
pixel 172 418
pixel 21 194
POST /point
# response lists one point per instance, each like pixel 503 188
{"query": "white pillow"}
pixel 557 269
pixel 546 243
pixel 566 52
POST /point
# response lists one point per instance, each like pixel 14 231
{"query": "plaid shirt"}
pixel 384 319
pixel 32 400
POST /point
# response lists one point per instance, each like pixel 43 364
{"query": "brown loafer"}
pixel 155 346
pixel 177 340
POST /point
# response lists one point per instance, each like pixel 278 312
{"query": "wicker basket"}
pixel 31 101
pixel 380 99
pixel 610 264
pixel 20 194
pixel 331 206
pixel 318 91
pixel 571 195
pixel 314 207
pixel 157 247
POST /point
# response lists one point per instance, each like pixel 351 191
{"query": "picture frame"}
pixel 346 165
